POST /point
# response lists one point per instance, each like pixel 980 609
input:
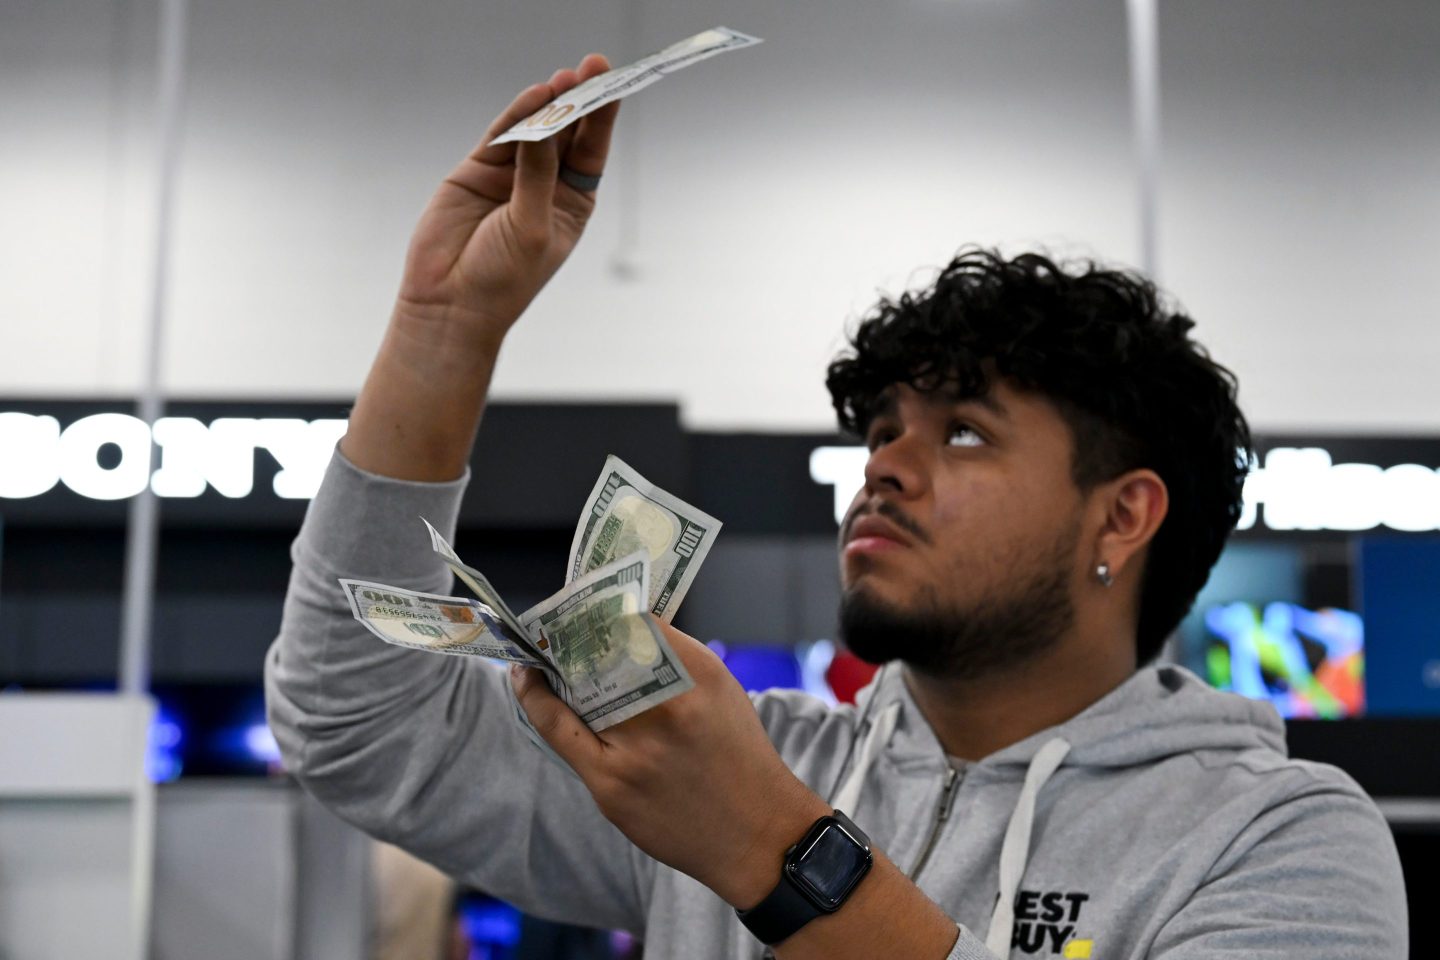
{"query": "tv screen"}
pixel 1399 589
pixel 1309 663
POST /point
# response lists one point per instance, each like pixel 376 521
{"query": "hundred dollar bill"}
pixel 453 625
pixel 613 661
pixel 623 81
pixel 439 624
pixel 626 513
pixel 428 621
pixel 482 588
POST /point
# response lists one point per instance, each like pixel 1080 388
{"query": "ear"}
pixel 1134 505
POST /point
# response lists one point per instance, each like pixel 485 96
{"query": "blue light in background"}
pixel 1400 600
pixel 261 743
pixel 162 759
pixel 246 743
pixel 493 927
pixel 760 668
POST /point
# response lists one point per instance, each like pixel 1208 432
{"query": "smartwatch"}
pixel 819 874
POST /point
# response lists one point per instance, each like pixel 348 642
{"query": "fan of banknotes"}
pixel 636 550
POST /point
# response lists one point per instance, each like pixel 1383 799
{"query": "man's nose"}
pixel 898 466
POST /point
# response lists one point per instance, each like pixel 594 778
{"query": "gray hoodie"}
pixel 1164 821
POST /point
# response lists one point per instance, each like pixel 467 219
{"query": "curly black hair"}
pixel 1118 364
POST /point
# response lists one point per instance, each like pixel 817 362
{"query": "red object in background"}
pixel 847 674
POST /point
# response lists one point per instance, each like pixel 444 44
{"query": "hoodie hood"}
pixel 1160 711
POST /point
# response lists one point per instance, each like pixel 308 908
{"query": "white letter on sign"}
pixel 79 464
pixel 184 446
pixel 303 451
pixel 29 455
pixel 842 468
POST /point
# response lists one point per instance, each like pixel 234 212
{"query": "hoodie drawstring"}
pixel 875 740
pixel 1016 849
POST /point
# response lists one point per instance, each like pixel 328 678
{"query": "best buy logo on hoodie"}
pixel 1045 923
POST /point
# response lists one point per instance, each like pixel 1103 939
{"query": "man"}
pixel 1054 468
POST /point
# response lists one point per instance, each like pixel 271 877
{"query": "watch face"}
pixel 828 864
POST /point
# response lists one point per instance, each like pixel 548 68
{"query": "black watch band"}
pixel 818 875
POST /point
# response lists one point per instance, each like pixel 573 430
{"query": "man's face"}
pixel 959 553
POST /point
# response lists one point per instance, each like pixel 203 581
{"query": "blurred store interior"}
pixel 1289 198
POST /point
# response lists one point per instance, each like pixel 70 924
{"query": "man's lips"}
pixel 872 534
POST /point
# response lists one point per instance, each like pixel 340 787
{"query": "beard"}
pixel 990 636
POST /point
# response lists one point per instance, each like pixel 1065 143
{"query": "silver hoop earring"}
pixel 1103 572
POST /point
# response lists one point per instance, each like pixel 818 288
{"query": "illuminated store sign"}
pixel 1303 489
pixel 51 456
pixel 842 468
pixel 1300 488
pixel 107 456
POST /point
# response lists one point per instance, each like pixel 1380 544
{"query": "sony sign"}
pixel 1300 488
pixel 38 455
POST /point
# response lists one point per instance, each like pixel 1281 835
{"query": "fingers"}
pixel 681 642
pixel 556 723
pixel 529 100
pixel 536 163
pixel 589 147
pixel 536 168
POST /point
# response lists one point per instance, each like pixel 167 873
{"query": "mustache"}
pixel 890 512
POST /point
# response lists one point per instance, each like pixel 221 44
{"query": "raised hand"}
pixel 494 233
pixel 504 220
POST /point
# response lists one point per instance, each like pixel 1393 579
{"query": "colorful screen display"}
pixel 1309 663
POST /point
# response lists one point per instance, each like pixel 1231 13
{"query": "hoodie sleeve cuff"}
pixel 968 947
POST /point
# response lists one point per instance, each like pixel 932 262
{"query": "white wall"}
pixel 1302 217
pixel 770 192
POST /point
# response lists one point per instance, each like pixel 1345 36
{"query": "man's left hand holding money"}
pixel 696 783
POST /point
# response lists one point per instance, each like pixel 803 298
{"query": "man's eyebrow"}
pixel 886 404
pixel 988 401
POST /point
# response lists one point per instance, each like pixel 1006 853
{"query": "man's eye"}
pixel 963 436
pixel 878 438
